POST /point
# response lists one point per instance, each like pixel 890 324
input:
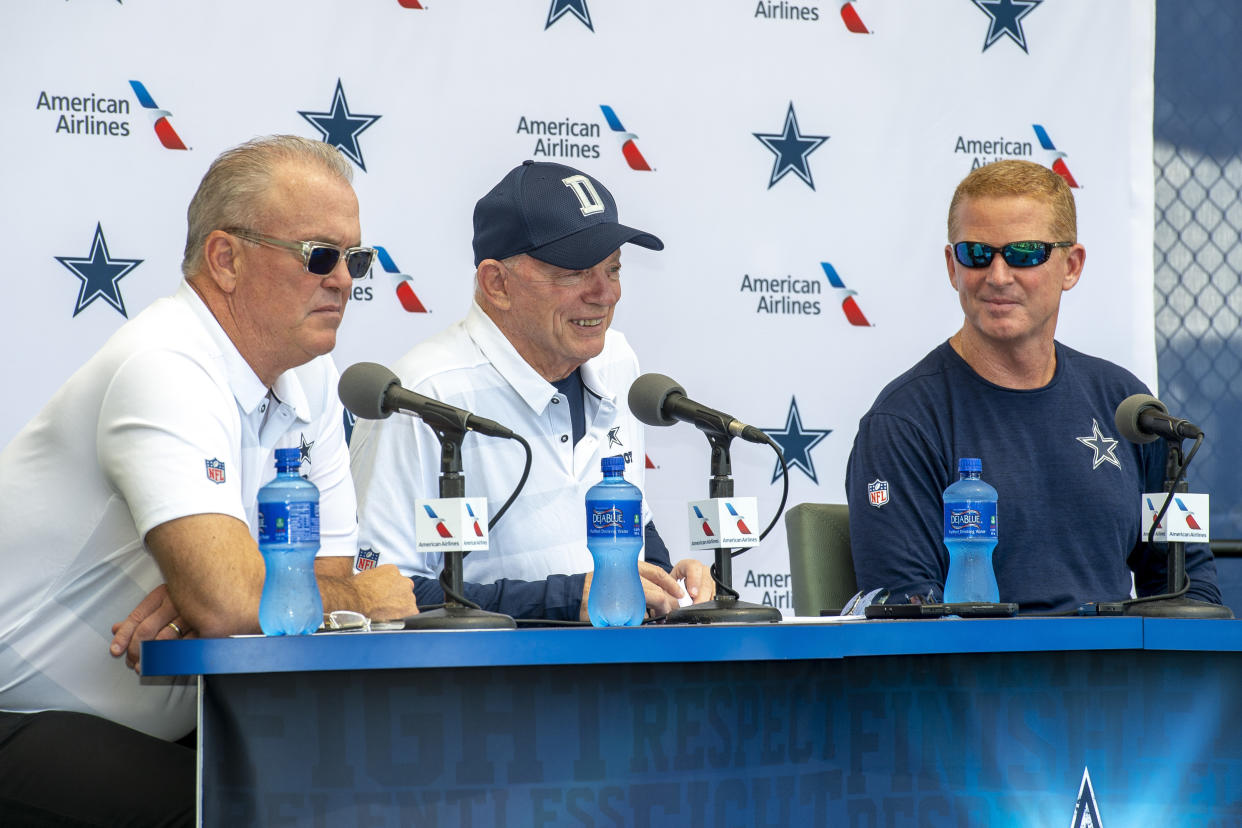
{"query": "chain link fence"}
pixel 1198 249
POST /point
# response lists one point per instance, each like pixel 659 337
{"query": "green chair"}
pixel 820 564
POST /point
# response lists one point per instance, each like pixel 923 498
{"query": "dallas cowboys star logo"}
pixel 99 274
pixel 791 149
pixel 340 127
pixel 305 448
pixel 796 442
pixel 1006 19
pixel 578 8
pixel 1104 447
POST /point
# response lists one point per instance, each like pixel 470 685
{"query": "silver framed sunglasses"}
pixel 318 258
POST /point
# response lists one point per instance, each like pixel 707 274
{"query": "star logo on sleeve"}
pixel 305 449
pixel 99 273
pixel 796 443
pixel 791 149
pixel 340 127
pixel 1006 20
pixel 1104 447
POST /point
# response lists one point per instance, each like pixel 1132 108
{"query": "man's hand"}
pixel 698 579
pixel 381 593
pixel 660 589
pixel 389 595
pixel 154 618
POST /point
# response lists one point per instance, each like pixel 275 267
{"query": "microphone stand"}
pixel 724 607
pixel 454 615
pixel 1179 607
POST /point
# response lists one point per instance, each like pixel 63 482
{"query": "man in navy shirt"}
pixel 1038 414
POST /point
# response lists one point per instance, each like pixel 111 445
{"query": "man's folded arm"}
pixel 558 597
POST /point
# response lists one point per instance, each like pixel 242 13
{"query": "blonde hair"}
pixel 1026 179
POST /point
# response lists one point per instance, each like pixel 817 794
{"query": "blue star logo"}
pixel 305 449
pixel 578 8
pixel 1006 19
pixel 791 149
pixel 99 273
pixel 796 442
pixel 340 127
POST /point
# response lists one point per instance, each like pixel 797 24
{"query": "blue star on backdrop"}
pixel 796 442
pixel 560 8
pixel 1006 19
pixel 791 149
pixel 340 127
pixel 99 273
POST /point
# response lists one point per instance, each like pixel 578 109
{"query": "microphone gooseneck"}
pixel 657 400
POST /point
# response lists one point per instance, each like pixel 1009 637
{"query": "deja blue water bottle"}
pixel 289 539
pixel 970 535
pixel 614 509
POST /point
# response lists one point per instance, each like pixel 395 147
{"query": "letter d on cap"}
pixel 585 191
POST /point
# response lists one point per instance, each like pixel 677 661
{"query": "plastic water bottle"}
pixel 289 539
pixel 614 509
pixel 970 535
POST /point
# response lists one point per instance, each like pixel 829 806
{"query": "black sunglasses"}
pixel 318 258
pixel 1015 254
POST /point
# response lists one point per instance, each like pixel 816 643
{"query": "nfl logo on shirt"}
pixel 367 559
pixel 877 492
pixel 215 470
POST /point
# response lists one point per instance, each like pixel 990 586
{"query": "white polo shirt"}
pixel 167 420
pixel 473 366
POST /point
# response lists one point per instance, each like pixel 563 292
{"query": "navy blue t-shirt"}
pixel 1068 485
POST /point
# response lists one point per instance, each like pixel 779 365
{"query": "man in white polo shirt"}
pixel 535 353
pixel 144 468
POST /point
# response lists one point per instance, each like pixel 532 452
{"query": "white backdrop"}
pixel 439 98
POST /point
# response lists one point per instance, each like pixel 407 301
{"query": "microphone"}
pixel 658 400
pixel 1141 418
pixel 373 392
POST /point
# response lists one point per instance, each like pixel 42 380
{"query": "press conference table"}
pixel 867 723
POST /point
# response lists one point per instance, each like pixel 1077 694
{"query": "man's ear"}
pixel 492 279
pixel 948 262
pixel 221 259
pixel 1075 259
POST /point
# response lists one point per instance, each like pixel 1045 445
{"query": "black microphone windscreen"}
pixel 647 396
pixel 363 387
pixel 1127 417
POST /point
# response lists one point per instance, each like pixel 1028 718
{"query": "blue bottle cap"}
pixel 970 464
pixel 613 464
pixel 288 457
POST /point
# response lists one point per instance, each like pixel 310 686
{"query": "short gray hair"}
pixel 232 192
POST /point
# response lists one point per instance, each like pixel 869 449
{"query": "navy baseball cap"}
pixel 555 214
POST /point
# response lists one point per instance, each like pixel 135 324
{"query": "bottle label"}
pixel 288 523
pixel 970 519
pixel 608 519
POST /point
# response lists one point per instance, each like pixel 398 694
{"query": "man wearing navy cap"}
pixel 535 353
